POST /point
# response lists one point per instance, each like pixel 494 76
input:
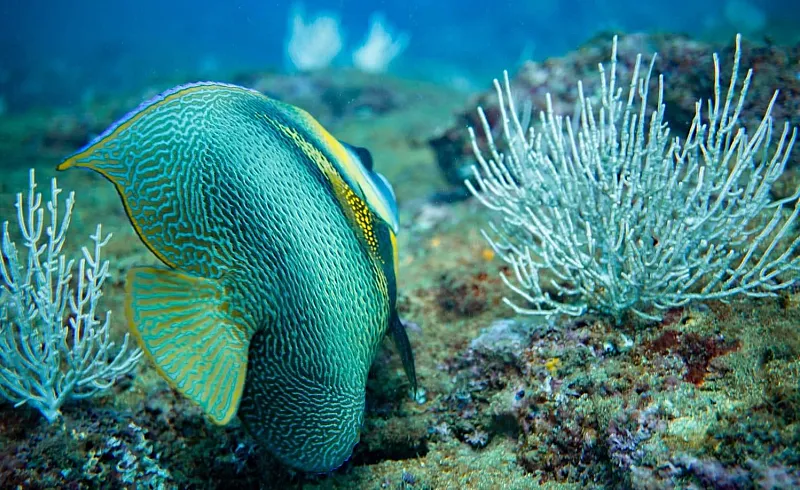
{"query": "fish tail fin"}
pixel 183 324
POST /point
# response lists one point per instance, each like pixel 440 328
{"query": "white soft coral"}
pixel 380 47
pixel 313 43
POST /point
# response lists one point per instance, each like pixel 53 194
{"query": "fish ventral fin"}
pixel 400 337
pixel 183 324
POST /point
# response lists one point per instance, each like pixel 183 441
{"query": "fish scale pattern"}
pixel 272 408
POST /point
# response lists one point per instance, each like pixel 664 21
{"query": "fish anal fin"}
pixel 183 325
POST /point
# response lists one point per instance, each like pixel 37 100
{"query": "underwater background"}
pixel 94 48
pixel 706 394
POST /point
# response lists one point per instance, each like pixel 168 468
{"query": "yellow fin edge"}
pixel 181 324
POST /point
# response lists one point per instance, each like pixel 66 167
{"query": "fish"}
pixel 280 262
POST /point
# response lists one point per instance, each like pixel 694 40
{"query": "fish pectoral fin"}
pixel 183 325
pixel 400 337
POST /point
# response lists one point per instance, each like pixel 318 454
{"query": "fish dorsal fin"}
pixel 163 160
pixel 184 326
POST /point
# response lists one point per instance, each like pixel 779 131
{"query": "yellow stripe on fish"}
pixel 352 171
pixel 355 208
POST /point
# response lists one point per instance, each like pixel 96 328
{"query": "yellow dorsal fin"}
pixel 182 323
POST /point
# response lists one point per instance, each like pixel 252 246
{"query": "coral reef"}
pixel 685 64
pixel 708 397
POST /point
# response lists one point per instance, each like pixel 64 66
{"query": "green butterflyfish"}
pixel 280 254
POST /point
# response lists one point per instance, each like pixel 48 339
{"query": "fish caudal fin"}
pixel 182 323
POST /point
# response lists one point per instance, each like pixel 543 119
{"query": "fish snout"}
pixel 315 427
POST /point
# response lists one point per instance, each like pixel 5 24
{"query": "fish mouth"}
pixel 308 425
pixel 328 447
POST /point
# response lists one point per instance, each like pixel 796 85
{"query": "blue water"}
pixel 59 51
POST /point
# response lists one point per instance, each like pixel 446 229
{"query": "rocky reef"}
pixel 709 397
pixel 685 64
